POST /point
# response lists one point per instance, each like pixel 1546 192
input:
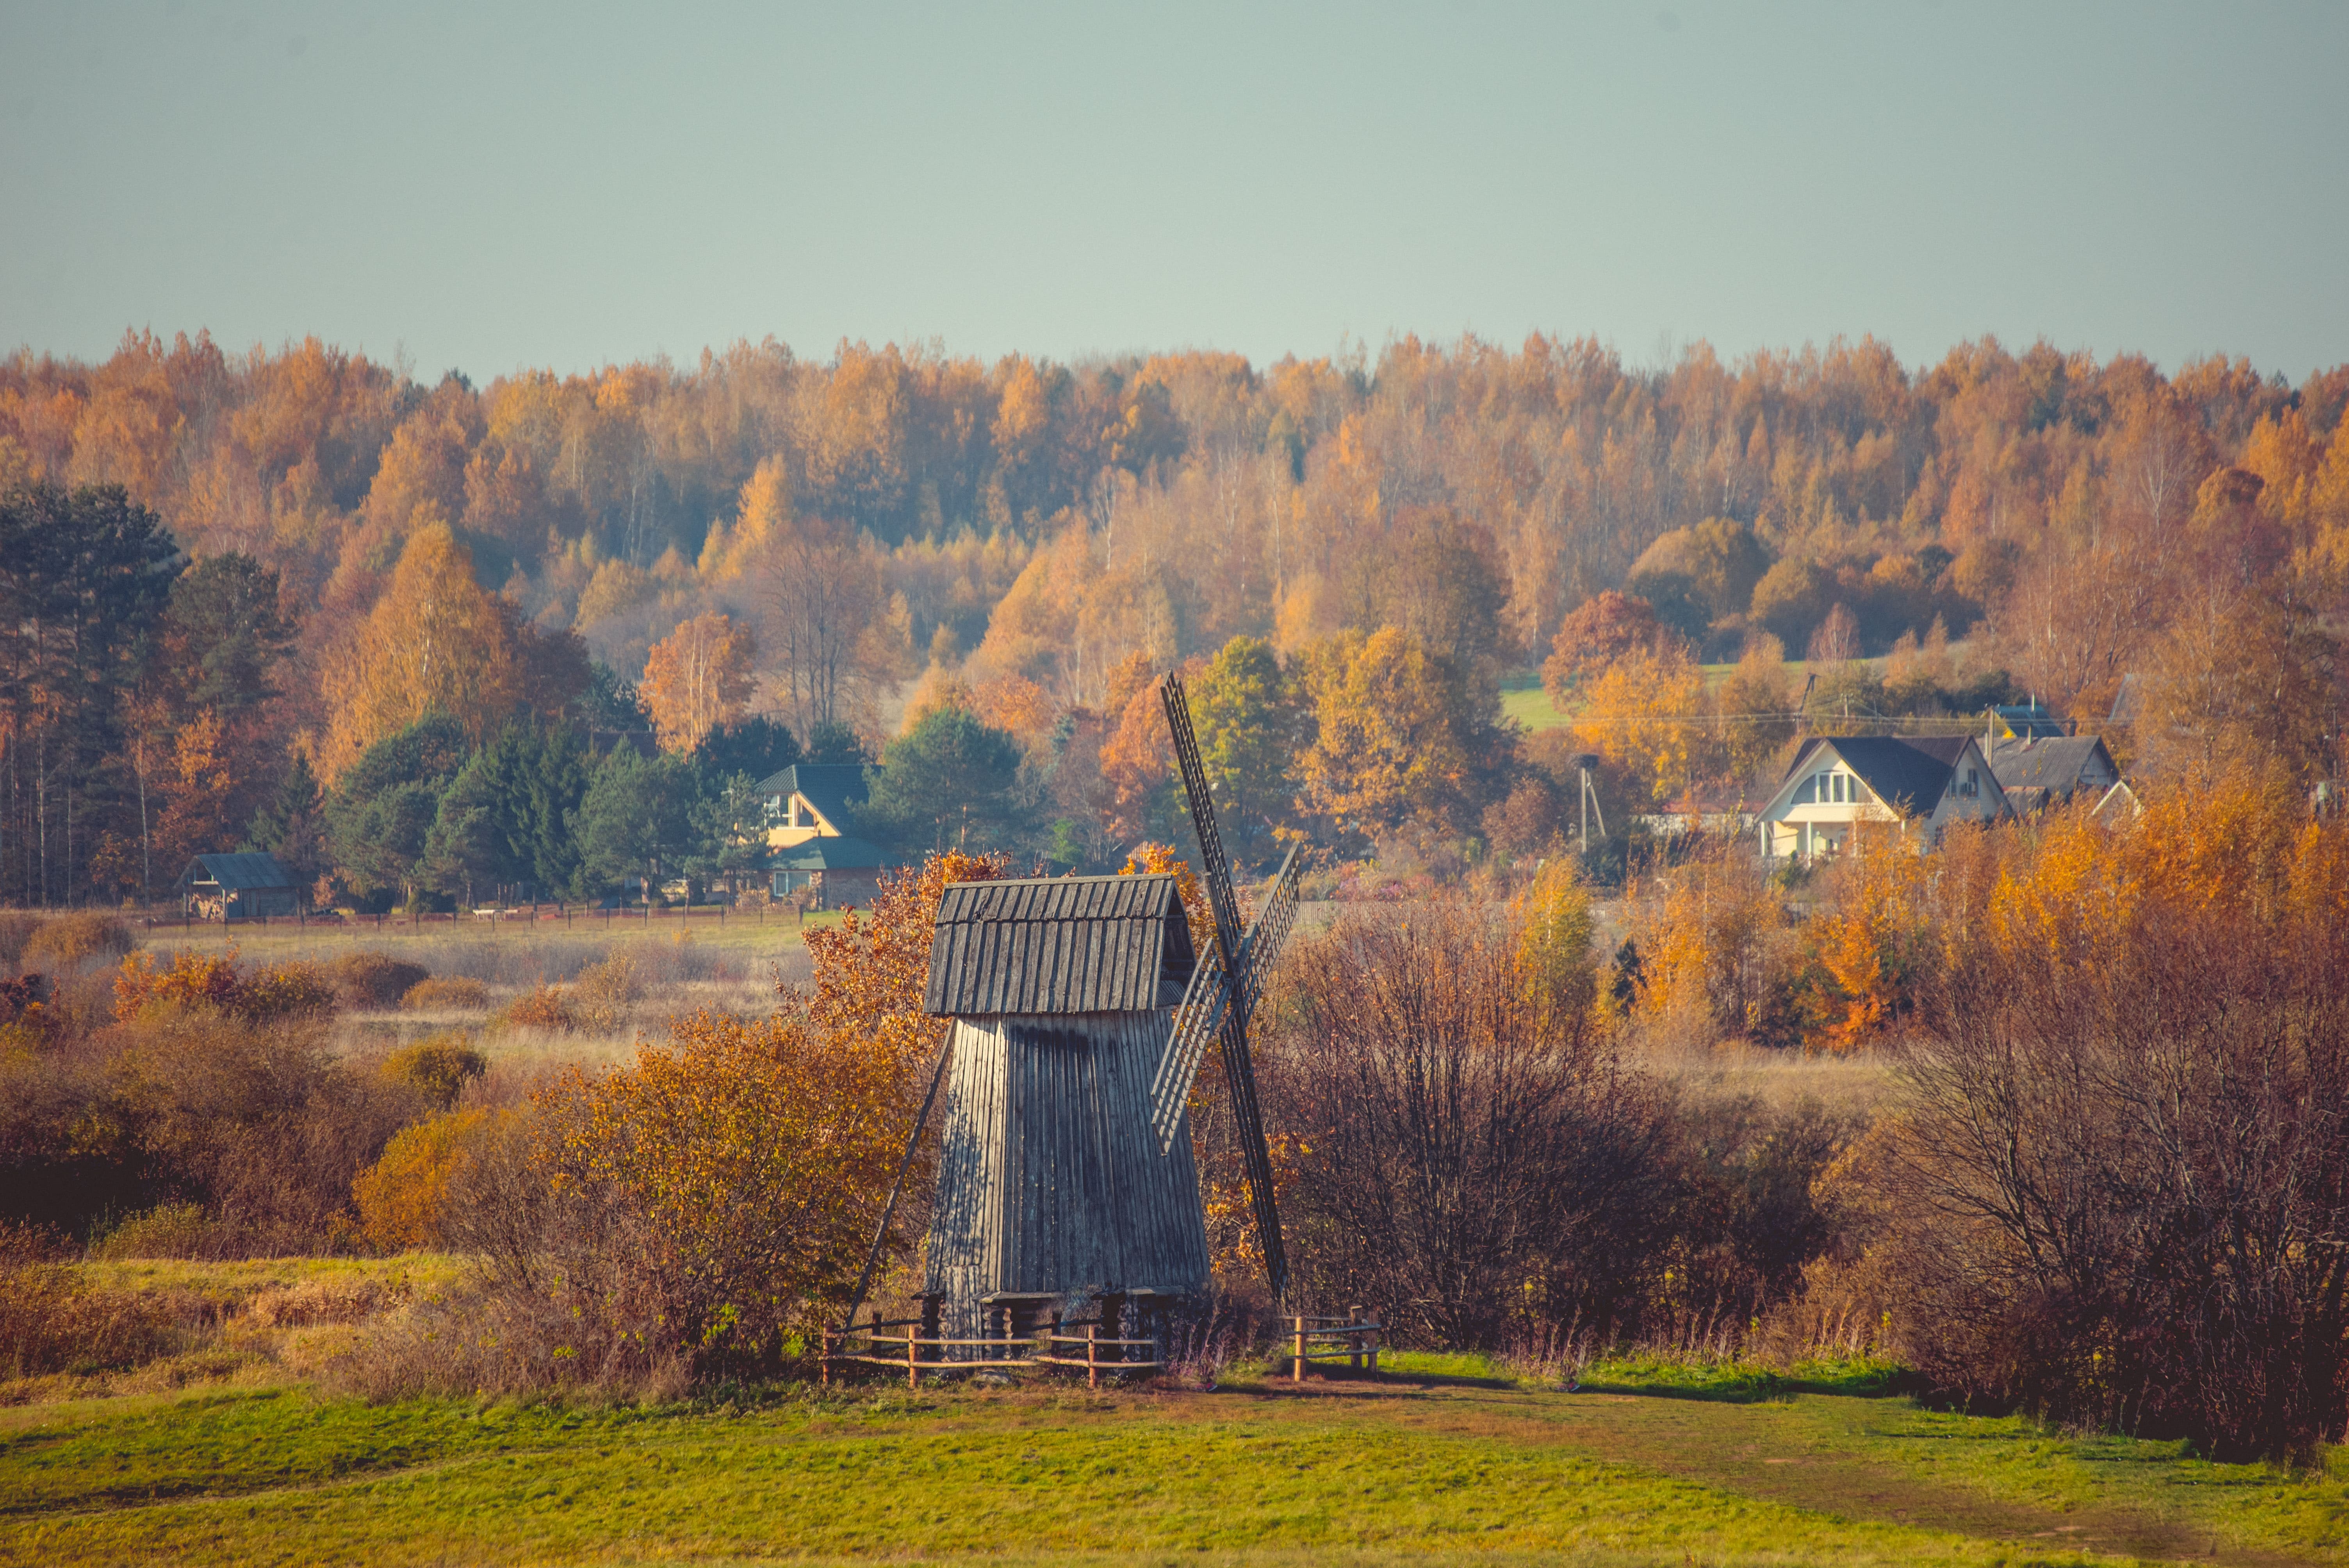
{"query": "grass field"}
pixel 1441 1458
pixel 1524 701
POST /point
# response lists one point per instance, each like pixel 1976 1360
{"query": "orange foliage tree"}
pixel 756 1154
pixel 434 642
pixel 697 678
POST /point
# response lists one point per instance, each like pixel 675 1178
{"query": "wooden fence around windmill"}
pixel 918 1348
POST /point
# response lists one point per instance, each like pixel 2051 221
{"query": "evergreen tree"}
pixel 292 824
pixel 951 780
pixel 380 815
pixel 634 822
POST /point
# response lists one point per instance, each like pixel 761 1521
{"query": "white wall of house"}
pixel 1813 814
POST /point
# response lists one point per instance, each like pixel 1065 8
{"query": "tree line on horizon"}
pixel 226 573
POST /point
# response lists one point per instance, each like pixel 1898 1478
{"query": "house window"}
pixel 1807 793
pixel 1836 783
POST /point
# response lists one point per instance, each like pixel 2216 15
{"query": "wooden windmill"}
pixel 1082 1010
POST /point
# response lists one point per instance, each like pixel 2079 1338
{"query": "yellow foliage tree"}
pixel 435 642
pixel 698 678
pixel 1388 748
pixel 1647 713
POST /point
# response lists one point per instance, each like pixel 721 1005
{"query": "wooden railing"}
pixel 1353 1338
pixel 920 1353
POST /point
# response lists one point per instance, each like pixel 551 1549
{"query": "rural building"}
pixel 2033 721
pixel 840 870
pixel 2037 772
pixel 811 809
pixel 1051 1184
pixel 1920 783
pixel 235 887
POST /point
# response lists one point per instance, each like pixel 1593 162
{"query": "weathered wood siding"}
pixel 1050 1179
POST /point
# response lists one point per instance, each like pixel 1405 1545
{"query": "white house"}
pixel 1923 783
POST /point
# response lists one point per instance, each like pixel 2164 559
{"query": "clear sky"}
pixel 493 186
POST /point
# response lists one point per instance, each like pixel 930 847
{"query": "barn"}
pixel 235 887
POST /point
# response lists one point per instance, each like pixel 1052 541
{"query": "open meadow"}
pixel 1436 1459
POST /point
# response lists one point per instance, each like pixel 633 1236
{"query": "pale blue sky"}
pixel 493 186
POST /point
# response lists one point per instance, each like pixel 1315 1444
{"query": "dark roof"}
pixel 2053 767
pixel 831 788
pixel 2033 718
pixel 832 854
pixel 234 872
pixel 1060 944
pixel 1908 773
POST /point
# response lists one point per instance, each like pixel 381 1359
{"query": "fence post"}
pixel 1354 1340
pixel 823 1365
pixel 912 1346
pixel 1297 1373
pixel 1093 1355
pixel 1373 1338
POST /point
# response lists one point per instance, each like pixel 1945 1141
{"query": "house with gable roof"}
pixel 2039 771
pixel 810 808
pixel 1919 784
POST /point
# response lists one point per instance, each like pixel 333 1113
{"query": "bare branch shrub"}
pixel 1471 1154
pixel 2123 1192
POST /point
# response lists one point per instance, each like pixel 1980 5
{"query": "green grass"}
pixel 1522 699
pixel 1443 1458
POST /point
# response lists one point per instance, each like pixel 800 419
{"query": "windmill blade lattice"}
pixel 1209 995
pixel 1235 962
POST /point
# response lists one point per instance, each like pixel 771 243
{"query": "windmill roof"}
pixel 1060 944
pixel 1908 773
pixel 251 870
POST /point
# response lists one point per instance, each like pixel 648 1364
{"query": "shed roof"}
pixel 234 873
pixel 1060 944
pixel 1908 773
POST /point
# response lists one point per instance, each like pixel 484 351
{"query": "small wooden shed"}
pixel 1051 1184
pixel 237 887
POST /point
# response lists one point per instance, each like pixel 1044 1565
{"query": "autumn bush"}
pixel 203 980
pixel 542 1006
pixel 63 940
pixel 455 993
pixel 403 1198
pixel 2123 1166
pixel 438 1066
pixel 165 1231
pixel 367 979
pixel 702 1208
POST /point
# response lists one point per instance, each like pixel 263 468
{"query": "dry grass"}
pixel 122 1327
pixel 1859 1085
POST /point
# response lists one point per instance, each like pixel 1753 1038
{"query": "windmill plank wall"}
pixel 1050 1179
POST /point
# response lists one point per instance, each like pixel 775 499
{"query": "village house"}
pixel 809 808
pixel 1918 784
pixel 2037 772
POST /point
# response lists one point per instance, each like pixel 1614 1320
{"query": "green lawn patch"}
pixel 1441 1460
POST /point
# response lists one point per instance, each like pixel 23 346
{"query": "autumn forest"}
pixel 253 597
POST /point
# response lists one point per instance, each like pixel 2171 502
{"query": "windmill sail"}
pixel 1224 989
pixel 1210 995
